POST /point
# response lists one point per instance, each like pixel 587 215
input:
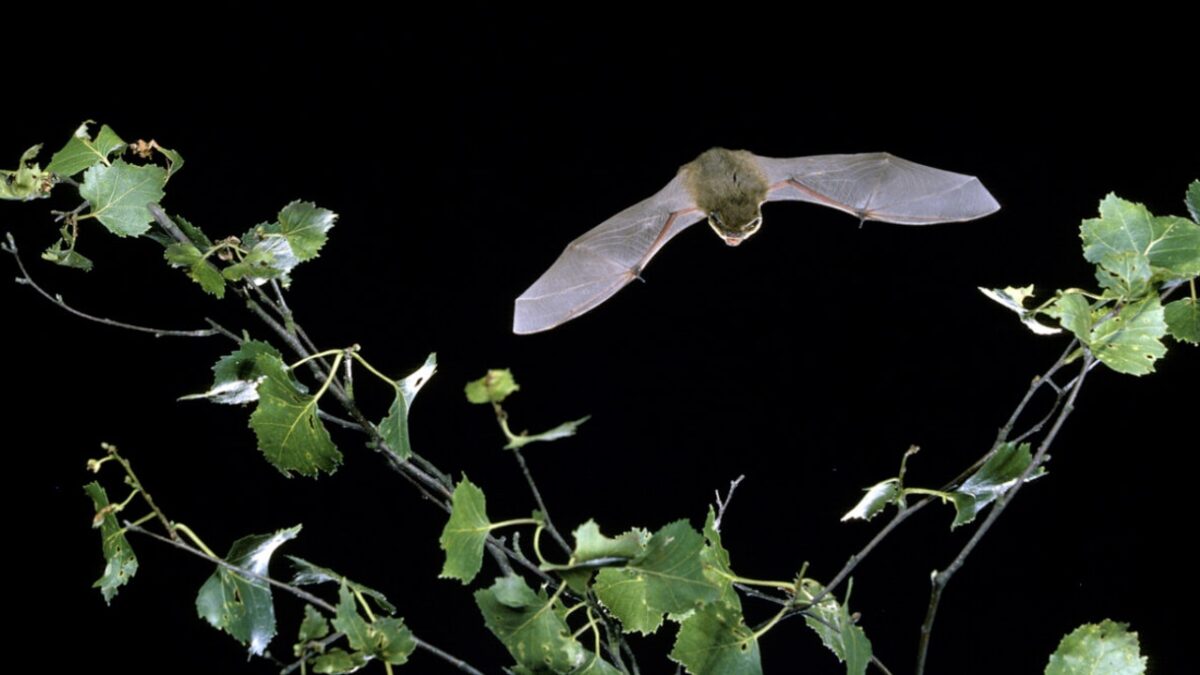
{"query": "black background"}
pixel 462 155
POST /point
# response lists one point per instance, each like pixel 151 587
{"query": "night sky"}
pixel 461 158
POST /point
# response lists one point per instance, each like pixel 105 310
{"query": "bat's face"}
pixel 735 221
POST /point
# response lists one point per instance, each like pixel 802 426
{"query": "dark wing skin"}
pixel 605 258
pixel 879 186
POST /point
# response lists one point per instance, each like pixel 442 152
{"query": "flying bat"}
pixel 728 187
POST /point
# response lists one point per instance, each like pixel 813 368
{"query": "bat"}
pixel 728 187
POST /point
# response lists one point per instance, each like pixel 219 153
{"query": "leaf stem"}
pixel 769 624
pixel 195 539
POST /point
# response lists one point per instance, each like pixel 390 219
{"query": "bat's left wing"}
pixel 878 186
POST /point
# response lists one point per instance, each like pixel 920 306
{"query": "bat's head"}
pixel 735 221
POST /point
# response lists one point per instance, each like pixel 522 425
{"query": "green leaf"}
pixel 257 264
pixel 876 499
pixel 494 387
pixel 465 533
pixel 195 234
pixel 591 545
pixel 82 152
pixel 27 181
pixel 715 559
pixel 716 641
pixel 174 160
pixel 561 431
pixel 338 660
pixel 236 376
pixel 63 253
pixel 1183 320
pixel 120 564
pixel 595 666
pixel 199 269
pixel 239 605
pixel 992 479
pixel 1193 200
pixel 1131 340
pixel 276 248
pixel 529 626
pixel 119 194
pixel 305 226
pixel 1123 226
pixel 308 574
pixel 1104 649
pixel 394 427
pixel 1014 299
pixel 1175 250
pixel 386 638
pixel 831 620
pixel 1127 273
pixel 314 627
pixel 668 576
pixel 1074 313
pixel 290 435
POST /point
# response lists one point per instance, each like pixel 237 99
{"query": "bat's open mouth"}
pixel 733 241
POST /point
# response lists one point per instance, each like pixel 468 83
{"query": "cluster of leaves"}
pixel 1137 256
pixel 639 578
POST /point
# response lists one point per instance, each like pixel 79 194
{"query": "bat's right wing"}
pixel 879 186
pixel 603 260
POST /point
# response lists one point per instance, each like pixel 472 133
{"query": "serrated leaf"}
pixel 1175 249
pixel 876 499
pixel 174 160
pixel 561 431
pixel 119 194
pixel 394 427
pixel 494 387
pixel 386 638
pixel 715 559
pixel 338 660
pixel 62 253
pixel 532 631
pixel 195 234
pixel 668 577
pixel 305 226
pixel 465 533
pixel 290 435
pixel 308 574
pixel 992 479
pixel 313 627
pixel 1183 320
pixel 236 376
pixel 82 151
pixel 1074 312
pixel 1014 299
pixel 590 544
pixel 716 641
pixel 198 267
pixel 1192 199
pixel 120 564
pixel 831 620
pixel 239 605
pixel 1127 273
pixel 1104 649
pixel 27 181
pixel 1123 226
pixel 1131 340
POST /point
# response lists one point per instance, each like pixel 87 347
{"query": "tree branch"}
pixel 27 280
pixel 941 579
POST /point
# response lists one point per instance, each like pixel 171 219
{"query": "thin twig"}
pixel 942 578
pixel 724 504
pixel 27 280
pixel 537 497
pixel 164 221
